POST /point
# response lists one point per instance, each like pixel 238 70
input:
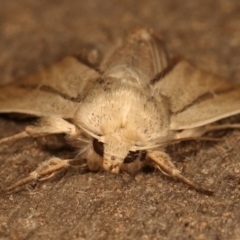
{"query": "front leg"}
pixel 163 162
pixel 45 126
pixel 46 170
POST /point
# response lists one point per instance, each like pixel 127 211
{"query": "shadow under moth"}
pixel 122 117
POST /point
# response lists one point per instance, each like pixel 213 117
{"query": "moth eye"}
pixel 98 147
pixel 132 156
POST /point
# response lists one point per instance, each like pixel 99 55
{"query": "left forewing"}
pixel 55 91
pixel 196 97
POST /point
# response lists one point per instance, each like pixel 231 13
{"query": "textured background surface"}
pixel 35 34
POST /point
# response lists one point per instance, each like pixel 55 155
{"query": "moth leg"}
pixel 164 163
pixel 45 126
pixel 46 170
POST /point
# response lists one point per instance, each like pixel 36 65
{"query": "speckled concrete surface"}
pixel 35 34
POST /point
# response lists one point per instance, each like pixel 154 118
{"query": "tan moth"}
pixel 124 117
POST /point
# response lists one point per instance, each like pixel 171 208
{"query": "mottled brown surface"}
pixel 35 34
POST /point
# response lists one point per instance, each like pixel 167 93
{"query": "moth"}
pixel 122 117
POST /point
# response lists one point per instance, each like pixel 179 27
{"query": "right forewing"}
pixel 197 97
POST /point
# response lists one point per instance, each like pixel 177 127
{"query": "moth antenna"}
pixel 174 141
pixel 46 126
pixel 15 137
pixel 83 140
pixel 163 163
pixel 210 128
pixel 210 139
pixel 92 134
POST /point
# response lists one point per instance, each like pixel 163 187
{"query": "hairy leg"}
pixel 163 162
pixel 46 170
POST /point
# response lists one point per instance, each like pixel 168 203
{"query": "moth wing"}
pixel 55 91
pixel 197 97
pixel 139 59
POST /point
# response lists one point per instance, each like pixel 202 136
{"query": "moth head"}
pixel 115 153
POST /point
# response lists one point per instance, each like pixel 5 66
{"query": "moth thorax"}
pixel 115 151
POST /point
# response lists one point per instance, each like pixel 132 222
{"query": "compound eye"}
pixel 98 147
pixel 132 156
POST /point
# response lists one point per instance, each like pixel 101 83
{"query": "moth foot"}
pixel 45 171
pixel 164 164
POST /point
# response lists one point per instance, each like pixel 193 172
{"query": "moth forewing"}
pixel 55 91
pixel 123 118
pixel 197 97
